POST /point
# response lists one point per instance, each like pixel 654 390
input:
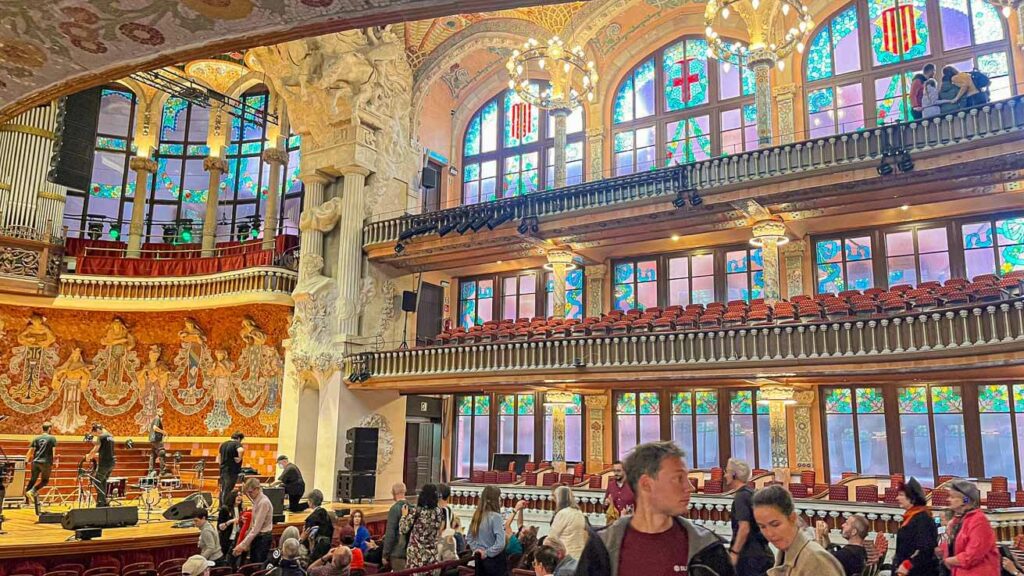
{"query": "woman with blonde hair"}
pixel 569 525
pixel 486 536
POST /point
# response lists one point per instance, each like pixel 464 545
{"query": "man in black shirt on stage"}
pixel 294 485
pixel 156 443
pixel 41 452
pixel 103 453
pixel 230 460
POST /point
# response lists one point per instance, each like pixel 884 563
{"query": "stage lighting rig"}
pixel 173 82
pixel 500 217
pixel 528 225
pixel 481 220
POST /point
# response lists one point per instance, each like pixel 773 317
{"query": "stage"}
pixel 27 540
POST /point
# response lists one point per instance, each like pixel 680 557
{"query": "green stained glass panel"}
pixel 741 402
pixel 870 401
pixel 626 403
pixel 697 72
pixel 682 403
pixel 819 56
pixel 465 405
pixel 947 399
pixel 623 110
pixel 649 403
pixel 706 401
pixel 472 146
pixel 988 24
pixel 993 398
pixel 913 400
pixel 526 405
pixel 623 141
pixel 506 404
pixel 483 405
pixel 294 141
pixel 111 143
pixel 1018 398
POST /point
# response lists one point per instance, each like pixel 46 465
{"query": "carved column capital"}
pixel 595 401
pixel 803 397
pixel 275 156
pixel 142 164
pixel 315 179
pixel 211 163
pixel 354 170
pixel 785 91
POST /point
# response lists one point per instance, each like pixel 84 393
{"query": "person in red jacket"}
pixel 973 550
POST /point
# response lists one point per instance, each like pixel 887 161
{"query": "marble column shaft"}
pixel 350 246
pixel 274 158
pixel 215 166
pixel 142 167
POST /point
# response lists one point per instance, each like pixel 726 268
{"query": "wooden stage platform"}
pixel 27 540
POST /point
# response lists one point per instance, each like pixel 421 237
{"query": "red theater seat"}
pixel 839 493
pixel 798 490
pixel 866 493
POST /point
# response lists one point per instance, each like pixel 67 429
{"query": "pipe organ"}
pixel 26 197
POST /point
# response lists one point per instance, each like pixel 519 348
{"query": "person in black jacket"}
pixel 918 536
pixel 318 525
pixel 228 524
pixel 656 540
pixel 293 484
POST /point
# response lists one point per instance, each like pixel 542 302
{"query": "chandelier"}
pixel 1007 6
pixel 775 28
pixel 572 77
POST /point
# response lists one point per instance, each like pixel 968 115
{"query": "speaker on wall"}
pixel 408 301
pixel 429 177
pixel 74 143
pixel 362 435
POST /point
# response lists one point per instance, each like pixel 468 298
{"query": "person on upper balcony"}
pixel 917 90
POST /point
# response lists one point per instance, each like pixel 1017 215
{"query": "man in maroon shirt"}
pixel 917 89
pixel 618 493
pixel 656 540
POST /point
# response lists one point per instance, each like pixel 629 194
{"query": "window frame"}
pixel 692 451
pixel 894 453
pixel 1015 428
pixel 662 417
pixel 754 393
pixel 537 437
pixel 491 427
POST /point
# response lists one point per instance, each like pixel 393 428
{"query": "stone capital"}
pixel 595 401
pixel 211 163
pixel 142 164
pixel 794 248
pixel 784 91
pixel 314 178
pixel 776 392
pixel 596 132
pixel 354 170
pixel 596 271
pixel 275 156
pixel 558 397
pixel 803 397
pixel 563 257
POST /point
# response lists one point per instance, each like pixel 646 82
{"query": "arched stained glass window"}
pixel 181 185
pixel 500 160
pixel 861 61
pixel 677 106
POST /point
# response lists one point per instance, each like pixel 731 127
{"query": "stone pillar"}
pixel 558 400
pixel 769 235
pixel 778 397
pixel 595 141
pixel 560 115
pixel 350 249
pixel 793 254
pixel 804 437
pixel 594 278
pixel 142 167
pixel 275 159
pixel 761 62
pixel 311 242
pixel 597 405
pixel 559 262
pixel 215 166
pixel 784 96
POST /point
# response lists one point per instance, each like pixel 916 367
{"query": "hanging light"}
pixel 725 13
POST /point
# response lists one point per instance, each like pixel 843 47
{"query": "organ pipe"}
pixel 26 197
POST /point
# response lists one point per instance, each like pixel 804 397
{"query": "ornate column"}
pixel 803 435
pixel 558 401
pixel 595 141
pixel 350 248
pixel 559 262
pixel 142 167
pixel 793 253
pixel 311 241
pixel 778 397
pixel 784 104
pixel 594 278
pixel 761 62
pixel 560 115
pixel 594 430
pixel 769 235
pixel 215 166
pixel 275 159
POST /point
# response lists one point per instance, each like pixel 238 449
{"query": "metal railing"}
pixel 869 145
pixel 972 327
pixel 264 280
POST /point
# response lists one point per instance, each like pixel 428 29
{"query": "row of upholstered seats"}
pixel 848 304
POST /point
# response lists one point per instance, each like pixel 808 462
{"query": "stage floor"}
pixel 26 539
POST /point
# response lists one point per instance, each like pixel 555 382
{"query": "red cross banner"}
pixel 522 119
pixel 685 79
pixel 899 29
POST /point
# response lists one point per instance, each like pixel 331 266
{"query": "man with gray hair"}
pixel 566 563
pixel 289 565
pixel 657 539
pixel 748 550
pixel 854 555
pixel 394 542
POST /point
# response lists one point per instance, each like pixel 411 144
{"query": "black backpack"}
pixel 980 79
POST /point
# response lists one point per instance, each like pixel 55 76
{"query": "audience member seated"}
pixel 318 526
pixel 853 556
pixel 545 562
pixel 567 563
pixel 776 516
pixel 289 564
pixel 277 554
pixel 348 538
pixel 196 566
pixel 363 541
pixel 335 563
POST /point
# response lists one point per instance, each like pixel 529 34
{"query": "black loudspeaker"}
pixel 362 435
pixel 186 509
pixel 356 485
pixel 429 178
pixel 276 497
pixel 106 517
pixel 361 449
pixel 361 462
pixel 74 144
pixel 408 301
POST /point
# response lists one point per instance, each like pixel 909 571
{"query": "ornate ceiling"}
pixel 53 47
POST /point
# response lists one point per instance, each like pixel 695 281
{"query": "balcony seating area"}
pixel 873 303
pixel 104 258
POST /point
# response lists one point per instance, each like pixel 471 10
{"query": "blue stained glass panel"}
pixel 172 124
pixel 623 109
pixel 472 146
pixel 644 86
pixel 694 50
pixel 819 56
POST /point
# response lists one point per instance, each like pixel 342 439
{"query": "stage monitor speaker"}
pixel 106 517
pixel 50 518
pixel 408 301
pixel 74 143
pixel 362 435
pixel 276 497
pixel 186 509
pixel 429 178
pixel 356 485
pixel 88 533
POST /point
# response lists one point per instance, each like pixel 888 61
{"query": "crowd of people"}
pixel 953 91
pixel 648 533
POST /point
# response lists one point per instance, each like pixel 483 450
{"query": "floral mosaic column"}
pixel 769 235
pixel 560 115
pixel 559 401
pixel 761 62
pixel 778 397
pixel 595 289
pixel 803 435
pixel 560 262
pixel 793 254
pixel 597 406
pixel 215 166
pixel 595 141
pixel 142 167
pixel 784 105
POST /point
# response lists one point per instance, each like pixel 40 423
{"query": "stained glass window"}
pixel 695 427
pixel 855 432
pixel 635 151
pixel 993 247
pixel 501 160
pixel 635 97
pixel 744 274
pixel 739 130
pixel 926 412
pixel 836 109
pixel 472 434
pixel 917 255
pixel 999 407
pixel 749 430
pixel 844 263
pixel 638 420
pixel 573 430
pixel 636 285
pixel 691 279
pixel 180 185
pixel 519 296
pixel 516 423
pixel 476 302
pixel 573 294
pixel 688 140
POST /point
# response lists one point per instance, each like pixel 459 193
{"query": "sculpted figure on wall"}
pixel 34 360
pixel 220 377
pixel 71 379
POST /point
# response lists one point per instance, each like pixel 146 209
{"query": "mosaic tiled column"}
pixel 769 235
pixel 560 115
pixel 560 262
pixel 274 158
pixel 215 166
pixel 778 397
pixel 559 401
pixel 784 96
pixel 804 436
pixel 761 62
pixel 595 141
pixel 142 167
pixel 793 254
pixel 597 406
pixel 594 276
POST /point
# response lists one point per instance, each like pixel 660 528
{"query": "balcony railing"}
pixel 265 280
pixel 985 122
pixel 31 259
pixel 973 327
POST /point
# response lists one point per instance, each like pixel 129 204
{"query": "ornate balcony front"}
pixel 31 260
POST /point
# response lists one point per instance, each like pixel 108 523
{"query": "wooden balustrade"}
pixel 251 280
pixel 865 146
pixel 972 327
pixel 31 260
